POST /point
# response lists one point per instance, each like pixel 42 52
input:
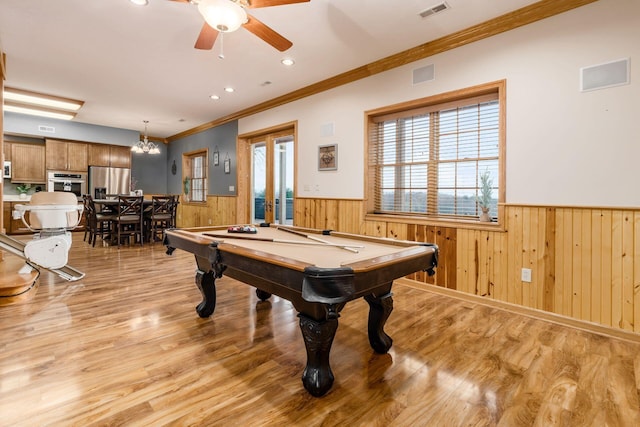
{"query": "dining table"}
pixel 110 205
pixel 114 202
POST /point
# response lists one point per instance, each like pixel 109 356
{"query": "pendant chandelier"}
pixel 145 146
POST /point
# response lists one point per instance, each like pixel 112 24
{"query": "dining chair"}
pixel 89 217
pixel 174 209
pixel 99 224
pixel 160 216
pixel 129 219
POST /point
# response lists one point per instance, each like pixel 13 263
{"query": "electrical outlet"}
pixel 209 221
pixel 526 275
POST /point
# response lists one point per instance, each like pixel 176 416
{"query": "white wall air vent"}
pixel 440 7
pixel 46 129
pixel 601 76
pixel 424 74
pixel 327 129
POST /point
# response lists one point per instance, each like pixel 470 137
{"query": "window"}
pixel 427 157
pixel 195 167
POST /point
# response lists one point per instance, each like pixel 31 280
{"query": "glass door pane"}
pixel 272 178
pixel 283 180
pixel 258 182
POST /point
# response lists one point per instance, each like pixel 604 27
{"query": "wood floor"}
pixel 124 346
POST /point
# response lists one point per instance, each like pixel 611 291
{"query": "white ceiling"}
pixel 131 63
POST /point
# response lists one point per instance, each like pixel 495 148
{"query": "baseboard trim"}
pixel 584 325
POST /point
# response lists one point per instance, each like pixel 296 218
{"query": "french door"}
pixel 272 178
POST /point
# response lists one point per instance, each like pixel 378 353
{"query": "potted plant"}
pixel 484 199
pixel 22 190
pixel 186 186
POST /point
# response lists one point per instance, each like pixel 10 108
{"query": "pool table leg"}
pixel 318 337
pixel 379 310
pixel 263 295
pixel 206 282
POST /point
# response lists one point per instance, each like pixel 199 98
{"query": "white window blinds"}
pixel 428 160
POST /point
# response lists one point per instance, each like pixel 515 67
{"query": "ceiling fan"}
pixel 225 16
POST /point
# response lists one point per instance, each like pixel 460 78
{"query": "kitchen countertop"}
pixel 14 198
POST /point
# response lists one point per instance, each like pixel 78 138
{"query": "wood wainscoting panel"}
pixel 585 262
pixel 219 210
pixel 329 214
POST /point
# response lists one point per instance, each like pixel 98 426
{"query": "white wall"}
pixel 26 125
pixel 564 147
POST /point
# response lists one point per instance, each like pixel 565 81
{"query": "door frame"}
pixel 243 150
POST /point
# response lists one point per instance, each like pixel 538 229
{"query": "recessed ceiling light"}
pixel 140 2
pixel 215 97
pixel 228 89
pixel 288 62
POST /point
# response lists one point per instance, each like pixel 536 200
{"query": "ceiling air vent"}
pixel 435 9
pixel 46 129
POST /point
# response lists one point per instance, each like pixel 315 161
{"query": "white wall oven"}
pixel 75 183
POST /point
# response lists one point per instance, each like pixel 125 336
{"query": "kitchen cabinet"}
pixel 13 226
pixel 109 155
pixel 120 156
pixel 99 155
pixel 6 150
pixel 6 217
pixel 66 155
pixel 28 163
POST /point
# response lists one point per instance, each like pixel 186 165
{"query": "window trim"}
pixel 372 117
pixel 186 172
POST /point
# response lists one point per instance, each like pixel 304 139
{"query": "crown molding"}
pixel 509 21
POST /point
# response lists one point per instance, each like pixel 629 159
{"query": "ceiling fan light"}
pixel 223 15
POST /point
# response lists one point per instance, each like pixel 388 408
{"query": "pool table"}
pixel 319 271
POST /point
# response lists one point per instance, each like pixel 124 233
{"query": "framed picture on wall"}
pixel 227 166
pixel 328 157
pixel 216 158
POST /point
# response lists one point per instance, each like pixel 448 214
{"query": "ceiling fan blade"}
pixel 267 34
pixel 207 37
pixel 254 4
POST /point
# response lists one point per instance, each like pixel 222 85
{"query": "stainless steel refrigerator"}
pixel 105 180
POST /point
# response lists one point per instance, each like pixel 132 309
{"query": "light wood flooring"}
pixel 124 346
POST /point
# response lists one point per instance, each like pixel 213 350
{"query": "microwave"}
pixel 75 183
